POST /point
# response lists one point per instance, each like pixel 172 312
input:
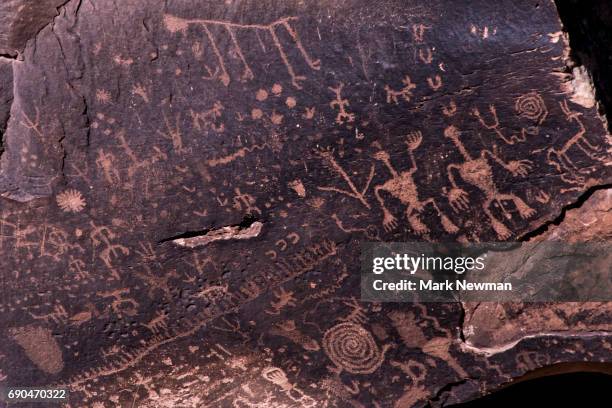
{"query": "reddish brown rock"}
pixel 280 134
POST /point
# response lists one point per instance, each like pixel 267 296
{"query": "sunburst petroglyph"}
pixel 71 201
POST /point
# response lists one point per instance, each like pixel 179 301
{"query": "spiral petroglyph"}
pixel 531 106
pixel 185 189
pixel 352 348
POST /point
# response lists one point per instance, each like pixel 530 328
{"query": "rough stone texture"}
pixel 136 124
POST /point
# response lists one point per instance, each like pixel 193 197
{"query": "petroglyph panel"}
pixel 184 186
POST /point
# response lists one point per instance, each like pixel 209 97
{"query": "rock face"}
pixel 185 186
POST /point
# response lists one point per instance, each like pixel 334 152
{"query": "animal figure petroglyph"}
pixel 402 187
pixel 478 172
pixel 284 299
pixel 559 158
pixel 405 92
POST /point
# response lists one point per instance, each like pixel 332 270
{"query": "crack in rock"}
pixel 230 232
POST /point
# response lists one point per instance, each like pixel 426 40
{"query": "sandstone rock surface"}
pixel 274 136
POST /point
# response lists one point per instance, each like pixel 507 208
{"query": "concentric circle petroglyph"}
pixel 531 106
pixel 352 348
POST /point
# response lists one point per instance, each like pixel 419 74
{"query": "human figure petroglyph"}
pixel 176 24
pixel 558 157
pixel 102 235
pixel 478 172
pixel 530 106
pixel 328 156
pixel 340 103
pixel 106 162
pixel 173 133
pixel 402 187
pixel 405 92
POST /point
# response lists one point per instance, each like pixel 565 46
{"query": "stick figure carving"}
pixel 530 106
pixel 478 172
pixel 402 187
pixel 559 159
